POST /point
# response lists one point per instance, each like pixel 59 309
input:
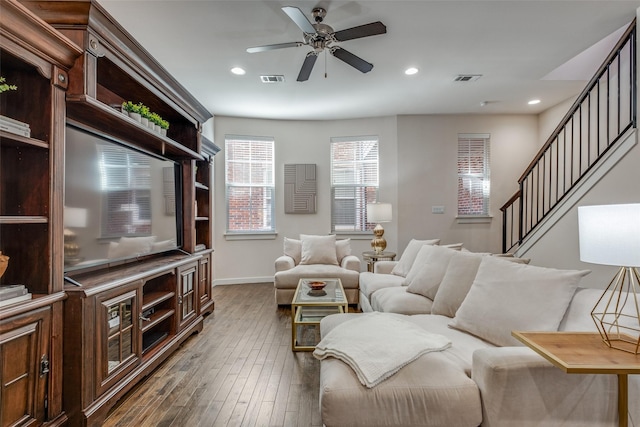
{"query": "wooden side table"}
pixel 371 257
pixel 586 353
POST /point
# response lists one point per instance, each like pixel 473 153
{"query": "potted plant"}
pixel 133 110
pixel 4 86
pixel 145 114
pixel 164 125
pixel 156 120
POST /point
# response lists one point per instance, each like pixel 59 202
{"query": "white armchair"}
pixel 312 257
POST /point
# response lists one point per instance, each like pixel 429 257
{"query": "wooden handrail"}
pixel 511 201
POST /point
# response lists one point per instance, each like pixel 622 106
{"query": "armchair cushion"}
pixel 284 263
pixel 318 250
pixel 293 248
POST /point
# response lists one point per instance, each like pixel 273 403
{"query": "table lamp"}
pixel 378 213
pixel 610 235
pixel 73 218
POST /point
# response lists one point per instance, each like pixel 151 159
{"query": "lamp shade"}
pixel 379 212
pixel 75 217
pixel 610 234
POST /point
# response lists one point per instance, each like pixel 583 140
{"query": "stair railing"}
pixel 598 118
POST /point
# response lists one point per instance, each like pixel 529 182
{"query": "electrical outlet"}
pixel 437 209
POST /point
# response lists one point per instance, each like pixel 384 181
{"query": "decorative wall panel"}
pixel 300 187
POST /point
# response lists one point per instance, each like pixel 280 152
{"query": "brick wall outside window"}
pixel 473 174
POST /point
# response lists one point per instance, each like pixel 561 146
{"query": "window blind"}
pixel 473 174
pixel 250 188
pixel 354 182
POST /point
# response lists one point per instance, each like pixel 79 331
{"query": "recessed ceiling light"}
pixel 534 102
pixel 411 71
pixel 238 71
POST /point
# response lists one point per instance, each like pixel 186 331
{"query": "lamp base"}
pixel 378 243
pixel 616 314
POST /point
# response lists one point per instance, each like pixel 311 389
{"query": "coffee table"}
pixel 309 307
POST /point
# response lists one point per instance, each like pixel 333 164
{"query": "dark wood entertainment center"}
pixel 68 354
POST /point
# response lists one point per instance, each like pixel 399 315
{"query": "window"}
pixel 354 182
pixel 249 175
pixel 473 174
pixel 126 184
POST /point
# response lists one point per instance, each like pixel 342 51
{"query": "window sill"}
pixel 354 236
pixel 250 236
pixel 474 219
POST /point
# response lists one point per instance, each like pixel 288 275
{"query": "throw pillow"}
pixel 129 246
pixel 428 270
pixel 318 249
pixel 508 296
pixel 343 248
pixel 293 248
pixel 458 279
pixel 409 255
pixel 163 245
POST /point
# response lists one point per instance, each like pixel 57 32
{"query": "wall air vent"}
pixel 467 77
pixel 272 79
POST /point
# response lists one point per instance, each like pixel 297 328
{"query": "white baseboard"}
pixel 242 281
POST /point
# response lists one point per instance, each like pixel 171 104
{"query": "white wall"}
pixel 417 170
pixel 237 261
pixel 427 175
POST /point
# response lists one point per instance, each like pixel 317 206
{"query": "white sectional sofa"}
pixel 486 377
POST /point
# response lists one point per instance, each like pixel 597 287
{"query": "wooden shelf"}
pixel 156 318
pixel 17 219
pixel 152 299
pixel 90 111
pixel 11 139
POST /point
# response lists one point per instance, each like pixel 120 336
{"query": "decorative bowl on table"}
pixel 317 285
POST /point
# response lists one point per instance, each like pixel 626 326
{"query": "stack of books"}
pixel 15 126
pixel 11 294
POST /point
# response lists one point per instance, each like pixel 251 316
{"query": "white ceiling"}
pixel 514 44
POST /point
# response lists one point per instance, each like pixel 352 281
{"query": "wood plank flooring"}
pixel 239 371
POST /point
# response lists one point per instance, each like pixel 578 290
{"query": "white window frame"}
pixel 363 183
pixel 475 180
pixel 268 227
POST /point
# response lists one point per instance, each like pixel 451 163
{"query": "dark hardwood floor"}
pixel 239 371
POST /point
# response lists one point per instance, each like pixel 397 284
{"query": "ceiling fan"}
pixel 321 36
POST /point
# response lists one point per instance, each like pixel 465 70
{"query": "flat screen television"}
pixel 120 203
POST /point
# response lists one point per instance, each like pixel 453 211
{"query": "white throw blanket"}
pixel 376 345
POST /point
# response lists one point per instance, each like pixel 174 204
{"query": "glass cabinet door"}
pixel 187 302
pixel 118 335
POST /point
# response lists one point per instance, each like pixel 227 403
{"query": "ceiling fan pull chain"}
pixel 325 64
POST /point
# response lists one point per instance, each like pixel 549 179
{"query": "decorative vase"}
pixel 144 121
pixel 4 263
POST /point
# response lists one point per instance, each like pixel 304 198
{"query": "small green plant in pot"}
pixel 4 86
pixel 133 110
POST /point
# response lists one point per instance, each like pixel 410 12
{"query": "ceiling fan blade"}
pixel 351 59
pixel 366 30
pixel 307 66
pixel 300 19
pixel 273 47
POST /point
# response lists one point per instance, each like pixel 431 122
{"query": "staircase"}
pixel 595 124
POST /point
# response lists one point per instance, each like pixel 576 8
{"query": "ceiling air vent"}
pixel 467 77
pixel 272 79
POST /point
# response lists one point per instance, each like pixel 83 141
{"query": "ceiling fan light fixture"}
pixel 411 71
pixel 238 71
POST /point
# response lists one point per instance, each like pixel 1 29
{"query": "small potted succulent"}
pixel 146 115
pixel 133 110
pixel 4 86
pixel 164 125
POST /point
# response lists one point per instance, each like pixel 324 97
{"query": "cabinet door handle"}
pixel 44 365
pixel 146 319
pixel 180 300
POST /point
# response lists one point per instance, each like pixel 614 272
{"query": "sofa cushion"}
pixel 318 249
pixel 343 249
pixel 371 282
pixel 398 300
pixel 293 248
pixel 456 283
pixel 289 279
pixel 458 279
pixel 428 270
pixel 507 296
pixel 409 255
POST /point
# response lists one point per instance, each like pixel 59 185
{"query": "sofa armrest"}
pixel 384 267
pixel 520 387
pixel 284 262
pixel 351 262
